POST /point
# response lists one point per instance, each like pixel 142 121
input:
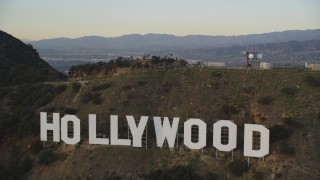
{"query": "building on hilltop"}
pixel 201 63
pixel 312 67
pixel 215 64
pixel 265 65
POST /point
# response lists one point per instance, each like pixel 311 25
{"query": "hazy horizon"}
pixel 161 34
pixel 43 19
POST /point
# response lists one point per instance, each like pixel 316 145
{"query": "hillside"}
pixel 21 63
pixel 14 51
pixel 125 65
pixel 285 101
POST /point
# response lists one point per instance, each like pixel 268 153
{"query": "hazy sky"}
pixel 39 19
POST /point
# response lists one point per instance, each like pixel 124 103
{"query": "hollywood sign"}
pixel 163 129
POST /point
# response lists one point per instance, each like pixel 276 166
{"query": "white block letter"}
pixel 232 135
pixel 248 138
pixel 202 133
pixel 93 132
pixel 114 133
pixel 76 129
pixel 165 131
pixel 137 131
pixel 54 126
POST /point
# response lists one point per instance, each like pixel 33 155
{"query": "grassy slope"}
pixel 205 93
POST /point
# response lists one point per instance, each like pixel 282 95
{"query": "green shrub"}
pixel 126 87
pixel 179 172
pixel 69 110
pixel 215 84
pixel 238 167
pixel 141 83
pixel 278 175
pixel 313 81
pixel 291 121
pixel 36 147
pixel 265 100
pixel 17 165
pixel 216 74
pixel 4 91
pixel 86 97
pixel 59 89
pixel 26 164
pixel 49 108
pixel 47 157
pixel 289 90
pixel 278 132
pixel 97 99
pixel 76 87
pixel 94 97
pixel 101 86
pixel 248 89
pixel 287 149
pixel 230 109
pixel 258 175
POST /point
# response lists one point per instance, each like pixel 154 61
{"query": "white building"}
pixel 313 67
pixel 215 64
pixel 201 63
pixel 265 65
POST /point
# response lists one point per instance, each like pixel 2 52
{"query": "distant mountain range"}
pixel 289 48
pixel 164 42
